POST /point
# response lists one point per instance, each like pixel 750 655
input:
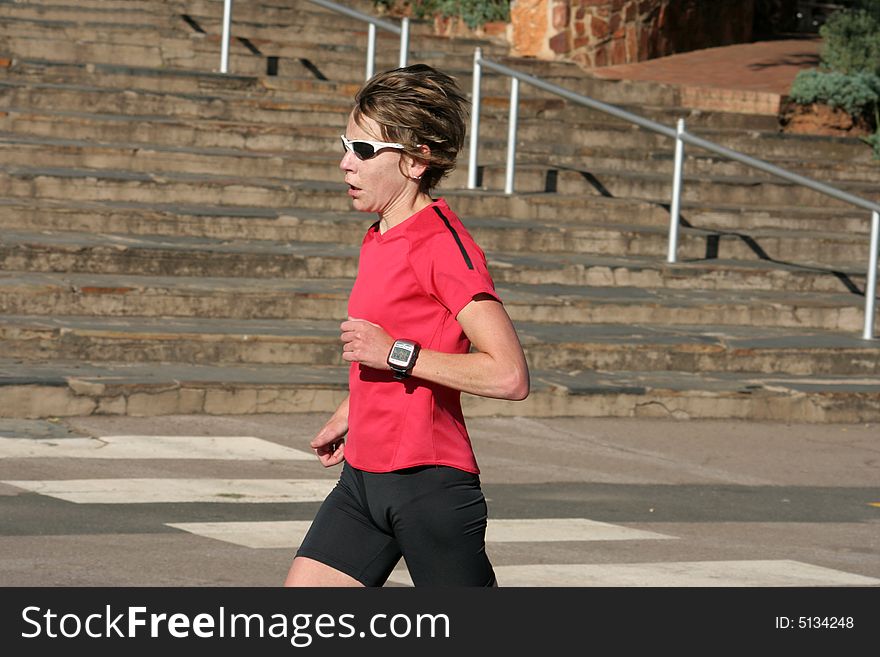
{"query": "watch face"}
pixel 400 354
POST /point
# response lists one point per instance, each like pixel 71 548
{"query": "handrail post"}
pixel 675 208
pixel 475 121
pixel 511 136
pixel 371 49
pixel 224 43
pixel 404 41
pixel 871 286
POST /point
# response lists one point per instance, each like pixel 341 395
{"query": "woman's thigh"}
pixel 343 538
pixel 441 530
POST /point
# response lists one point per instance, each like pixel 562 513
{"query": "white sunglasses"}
pixel 365 149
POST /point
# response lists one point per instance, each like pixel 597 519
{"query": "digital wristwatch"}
pixel 402 357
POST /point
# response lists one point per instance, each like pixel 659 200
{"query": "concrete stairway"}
pixel 174 240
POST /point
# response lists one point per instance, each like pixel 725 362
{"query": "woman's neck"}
pixel 397 215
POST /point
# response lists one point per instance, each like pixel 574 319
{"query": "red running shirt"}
pixel 413 281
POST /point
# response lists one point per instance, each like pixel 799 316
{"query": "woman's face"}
pixel 375 185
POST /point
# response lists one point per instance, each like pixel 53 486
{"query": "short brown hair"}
pixel 417 105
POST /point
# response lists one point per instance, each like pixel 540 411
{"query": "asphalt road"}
pixel 573 501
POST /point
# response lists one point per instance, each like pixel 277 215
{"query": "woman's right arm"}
pixel 329 443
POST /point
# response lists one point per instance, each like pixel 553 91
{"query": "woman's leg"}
pixel 441 529
pixel 308 572
pixel 343 546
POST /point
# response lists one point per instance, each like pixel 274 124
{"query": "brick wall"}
pixel 605 32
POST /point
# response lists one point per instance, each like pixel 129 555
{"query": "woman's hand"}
pixel 366 343
pixel 329 443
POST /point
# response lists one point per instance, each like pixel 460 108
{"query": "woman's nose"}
pixel 347 163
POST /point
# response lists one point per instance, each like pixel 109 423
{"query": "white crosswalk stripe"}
pixel 149 491
pixel 563 529
pixel 289 534
pixel 285 534
pixel 673 574
pixel 152 447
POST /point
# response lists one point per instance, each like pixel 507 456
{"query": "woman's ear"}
pixel 416 166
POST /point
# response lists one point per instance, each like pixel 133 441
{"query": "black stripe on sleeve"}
pixel 464 253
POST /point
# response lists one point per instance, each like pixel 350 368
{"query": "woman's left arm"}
pixel 496 367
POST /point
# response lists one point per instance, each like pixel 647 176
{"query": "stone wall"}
pixel 605 32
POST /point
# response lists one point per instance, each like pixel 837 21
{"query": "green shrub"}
pixel 475 13
pixel 874 142
pixel 870 6
pixel 857 94
pixel 851 41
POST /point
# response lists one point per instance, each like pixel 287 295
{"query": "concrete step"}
pixel 142 5
pixel 211 104
pixel 297 101
pixel 622 239
pixel 253 18
pixel 332 38
pixel 494 89
pixel 180 6
pixel 163 135
pixel 293 17
pixel 63 19
pixel 347 75
pixel 325 27
pixel 175 46
pixel 289 14
pixel 568 75
pixel 547 105
pixel 547 223
pixel 580 137
pixel 303 155
pixel 79 139
pixel 699 349
pixel 696 162
pixel 656 186
pixel 333 50
pixel 271 23
pixel 77 252
pixel 172 296
pixel 587 140
pixel 195 105
pixel 28 71
pixel 181 340
pixel 193 189
pixel 176 240
pixel 314 158
pixel 60 15
pixel 131 5
pixel 586 233
pixel 60 389
pixel 605 347
pixel 170 53
pixel 116 295
pixel 306 220
pixel 178 256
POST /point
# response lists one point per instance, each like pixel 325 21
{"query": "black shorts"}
pixel 432 516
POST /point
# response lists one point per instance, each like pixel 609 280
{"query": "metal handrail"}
pixel 374 22
pixel 681 137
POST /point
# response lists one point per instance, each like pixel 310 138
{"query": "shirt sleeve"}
pixel 452 269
